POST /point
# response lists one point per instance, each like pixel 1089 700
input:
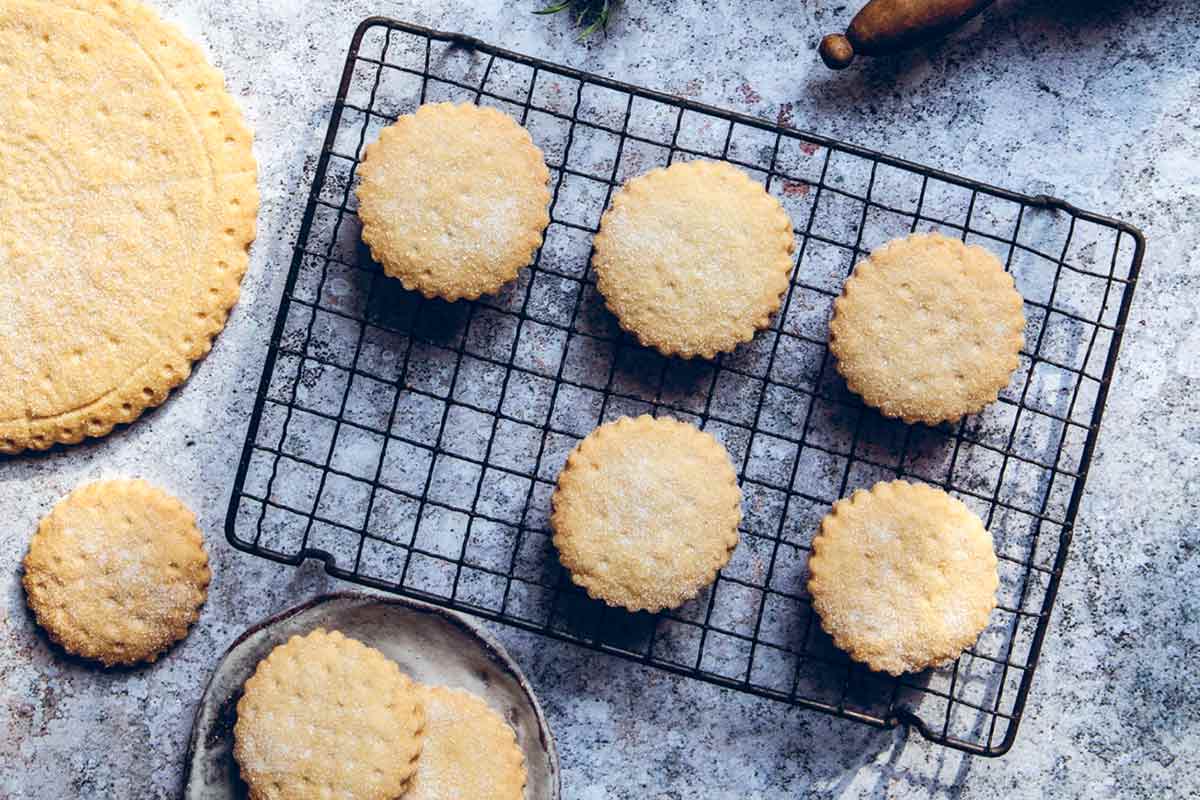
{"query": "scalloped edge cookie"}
pixel 903 576
pixel 645 512
pixel 693 259
pixel 469 752
pixel 453 200
pixel 325 715
pixel 117 572
pixel 928 329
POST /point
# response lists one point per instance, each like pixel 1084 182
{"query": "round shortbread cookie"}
pixel 694 258
pixel 128 196
pixel 903 576
pixel 645 512
pixel 117 572
pixel 469 752
pixel 928 329
pixel 325 716
pixel 453 200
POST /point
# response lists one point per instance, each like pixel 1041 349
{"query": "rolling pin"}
pixel 884 27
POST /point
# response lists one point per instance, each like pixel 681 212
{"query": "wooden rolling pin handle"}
pixel 884 27
pixel 836 51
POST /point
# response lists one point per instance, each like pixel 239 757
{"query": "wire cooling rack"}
pixel 412 445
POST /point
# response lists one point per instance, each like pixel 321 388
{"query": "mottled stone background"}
pixel 1092 101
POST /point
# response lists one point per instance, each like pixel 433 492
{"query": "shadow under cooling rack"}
pixel 413 444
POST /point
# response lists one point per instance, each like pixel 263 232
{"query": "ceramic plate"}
pixel 430 644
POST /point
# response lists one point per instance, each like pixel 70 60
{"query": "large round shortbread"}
pixel 127 201
pixel 903 576
pixel 928 329
pixel 694 258
pixel 645 512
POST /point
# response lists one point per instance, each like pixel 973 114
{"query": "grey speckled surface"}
pixel 1091 100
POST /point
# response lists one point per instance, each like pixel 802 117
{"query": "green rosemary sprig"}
pixel 590 15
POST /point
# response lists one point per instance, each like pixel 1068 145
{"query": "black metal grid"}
pixel 413 444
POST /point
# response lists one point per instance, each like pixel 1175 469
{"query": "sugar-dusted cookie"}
pixel 927 329
pixel 469 753
pixel 903 576
pixel 645 512
pixel 117 572
pixel 128 202
pixel 694 258
pixel 325 716
pixel 453 200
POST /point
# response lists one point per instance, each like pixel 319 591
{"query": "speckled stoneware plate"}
pixel 430 644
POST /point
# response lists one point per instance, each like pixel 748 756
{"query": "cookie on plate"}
pixel 453 200
pixel 324 715
pixel 903 576
pixel 645 512
pixel 694 258
pixel 469 753
pixel 928 329
pixel 117 572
